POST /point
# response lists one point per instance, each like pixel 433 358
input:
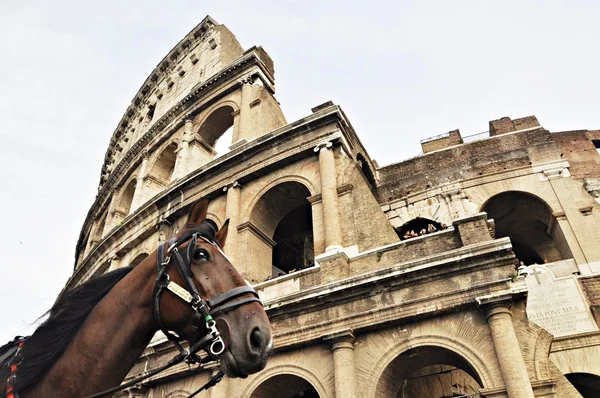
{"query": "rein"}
pixel 212 341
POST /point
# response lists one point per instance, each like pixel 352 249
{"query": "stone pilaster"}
pixel 114 216
pixel 232 212
pixel 138 196
pixel 342 347
pixel 512 365
pixel 183 153
pixel 329 198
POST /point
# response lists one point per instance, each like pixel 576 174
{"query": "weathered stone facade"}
pixel 359 306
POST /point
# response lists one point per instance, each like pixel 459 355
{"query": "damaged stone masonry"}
pixel 358 307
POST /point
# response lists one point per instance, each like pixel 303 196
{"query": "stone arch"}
pixel 461 353
pixel 138 258
pixel 530 224
pixel 279 230
pixel 587 384
pixel 290 178
pixel 417 225
pixel 126 197
pixel 253 390
pixel 178 394
pixel 215 218
pixel 219 121
pixel 163 166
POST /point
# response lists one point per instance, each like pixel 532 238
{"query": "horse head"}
pixel 240 318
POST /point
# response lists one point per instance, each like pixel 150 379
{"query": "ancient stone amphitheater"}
pixel 472 269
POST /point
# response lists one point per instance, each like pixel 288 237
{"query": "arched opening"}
pixel 99 229
pixel 428 371
pixel 284 216
pixel 285 386
pixel 138 259
pixel 163 168
pixel 588 385
pixel 528 222
pixel 216 133
pixel 127 198
pixel 418 226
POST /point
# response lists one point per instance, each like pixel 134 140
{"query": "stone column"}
pixel 329 198
pixel 243 131
pixel 138 196
pixel 232 212
pixel 512 364
pixel 342 347
pixel 183 153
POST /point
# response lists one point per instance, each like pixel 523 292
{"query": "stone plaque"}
pixel 557 304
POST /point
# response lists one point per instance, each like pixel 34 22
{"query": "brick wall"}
pixel 445 141
pixel 506 125
pixel 470 160
pixel 580 151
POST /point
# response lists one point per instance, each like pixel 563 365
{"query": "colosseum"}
pixel 469 270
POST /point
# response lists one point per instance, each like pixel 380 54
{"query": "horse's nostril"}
pixel 256 340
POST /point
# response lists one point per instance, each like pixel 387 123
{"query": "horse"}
pixel 95 332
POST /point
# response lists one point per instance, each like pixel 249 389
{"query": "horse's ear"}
pixel 221 235
pixel 198 212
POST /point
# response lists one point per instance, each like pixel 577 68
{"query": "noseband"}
pixel 204 310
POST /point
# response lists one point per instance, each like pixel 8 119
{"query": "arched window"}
pixel 285 385
pixel 216 132
pixel 127 198
pixel 528 222
pixel 284 215
pixel 165 164
pixel 588 385
pixel 418 226
pixel 429 371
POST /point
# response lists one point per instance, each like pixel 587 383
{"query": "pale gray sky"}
pixel 401 70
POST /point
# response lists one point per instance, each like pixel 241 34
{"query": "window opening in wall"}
pixel 418 226
pixel 533 230
pixel 150 113
pixel 597 145
pixel 294 249
pixel 165 165
pixel 216 132
pixel 127 198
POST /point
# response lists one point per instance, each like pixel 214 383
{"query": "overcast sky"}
pixel 402 71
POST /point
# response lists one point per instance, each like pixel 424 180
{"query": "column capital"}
pixel 341 339
pixel 234 184
pixel 246 80
pixel 187 118
pixel 145 154
pixel 495 304
pixel 323 145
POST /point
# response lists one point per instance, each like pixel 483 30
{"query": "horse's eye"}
pixel 201 255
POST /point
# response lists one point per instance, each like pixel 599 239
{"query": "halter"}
pixel 204 310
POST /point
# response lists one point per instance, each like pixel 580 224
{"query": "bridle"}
pixel 204 310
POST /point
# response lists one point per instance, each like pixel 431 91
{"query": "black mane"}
pixel 51 338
